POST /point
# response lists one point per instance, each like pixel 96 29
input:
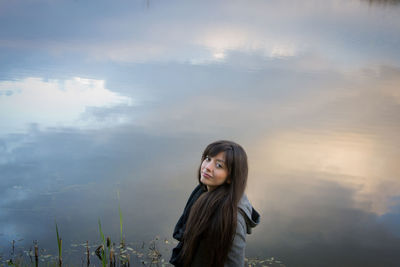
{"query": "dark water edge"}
pixel 155 252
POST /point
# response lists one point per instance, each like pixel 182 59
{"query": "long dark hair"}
pixel 213 217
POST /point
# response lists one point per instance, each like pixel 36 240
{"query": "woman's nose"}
pixel 209 165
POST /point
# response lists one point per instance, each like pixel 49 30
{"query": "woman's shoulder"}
pixel 199 187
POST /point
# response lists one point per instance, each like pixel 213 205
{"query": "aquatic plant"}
pixel 102 248
pixel 120 216
pixel 59 244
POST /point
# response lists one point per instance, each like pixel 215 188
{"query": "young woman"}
pixel 212 229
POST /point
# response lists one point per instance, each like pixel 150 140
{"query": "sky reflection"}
pixel 96 99
pixel 56 103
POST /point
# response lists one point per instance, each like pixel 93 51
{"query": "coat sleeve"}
pixel 237 253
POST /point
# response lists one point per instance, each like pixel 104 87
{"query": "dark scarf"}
pixel 181 225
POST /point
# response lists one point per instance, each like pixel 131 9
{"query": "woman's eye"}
pixel 207 158
pixel 219 165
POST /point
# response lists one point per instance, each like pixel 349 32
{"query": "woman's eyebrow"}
pixel 220 160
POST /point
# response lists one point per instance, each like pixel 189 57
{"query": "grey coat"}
pixel 248 218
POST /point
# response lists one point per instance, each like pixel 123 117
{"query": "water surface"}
pixel 100 98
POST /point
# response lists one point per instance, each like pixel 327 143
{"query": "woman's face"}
pixel 213 171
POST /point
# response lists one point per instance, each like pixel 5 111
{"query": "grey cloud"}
pixel 137 33
pixel 383 2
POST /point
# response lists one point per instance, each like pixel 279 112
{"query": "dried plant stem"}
pixel 36 255
pixel 13 247
pixel 112 257
pixel 87 254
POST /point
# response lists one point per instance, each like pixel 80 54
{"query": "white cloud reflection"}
pixel 56 103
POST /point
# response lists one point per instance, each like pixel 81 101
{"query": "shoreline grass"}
pixel 125 254
pixel 155 252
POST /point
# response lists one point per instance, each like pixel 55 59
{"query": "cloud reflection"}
pixel 56 103
pixel 270 29
pixel 352 160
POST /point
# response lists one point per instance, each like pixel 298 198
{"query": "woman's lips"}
pixel 207 175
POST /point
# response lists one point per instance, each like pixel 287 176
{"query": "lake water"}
pixel 100 98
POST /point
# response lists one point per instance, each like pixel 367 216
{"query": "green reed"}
pixel 59 244
pixel 120 216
